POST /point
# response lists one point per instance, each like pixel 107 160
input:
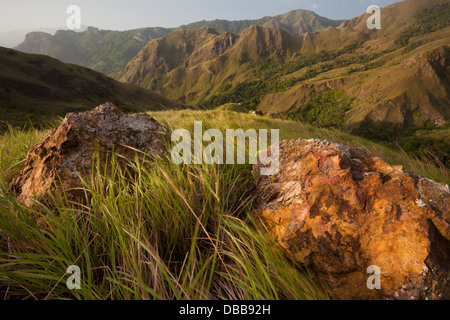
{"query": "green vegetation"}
pixel 248 93
pixel 289 129
pixel 269 77
pixel 155 230
pixel 427 142
pixel 152 231
pixel 271 69
pixel 429 20
pixel 101 50
pixel 236 107
pixel 435 142
pixel 325 109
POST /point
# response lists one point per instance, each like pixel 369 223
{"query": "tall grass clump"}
pixel 147 230
pixel 14 145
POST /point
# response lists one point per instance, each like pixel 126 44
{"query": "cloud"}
pixel 314 6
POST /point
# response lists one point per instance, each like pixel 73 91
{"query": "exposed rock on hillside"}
pixel 274 115
pixel 187 64
pixel 343 210
pixel 33 40
pixel 109 51
pixel 66 153
pixel 181 49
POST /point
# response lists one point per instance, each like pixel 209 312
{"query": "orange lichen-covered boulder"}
pixel 343 210
pixel 66 154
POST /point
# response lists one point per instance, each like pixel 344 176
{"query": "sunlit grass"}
pixel 155 230
pixel 428 165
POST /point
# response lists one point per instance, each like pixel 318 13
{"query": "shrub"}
pixel 325 109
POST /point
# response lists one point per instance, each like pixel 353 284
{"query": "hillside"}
pixel 259 53
pixel 109 51
pixel 10 39
pixel 188 65
pixel 101 50
pixel 33 87
pixel 382 84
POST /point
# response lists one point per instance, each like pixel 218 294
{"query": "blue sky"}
pixel 131 14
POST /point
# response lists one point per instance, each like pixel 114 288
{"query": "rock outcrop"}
pixel 66 154
pixel 274 115
pixel 33 40
pixel 341 210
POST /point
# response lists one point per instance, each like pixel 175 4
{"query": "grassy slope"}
pixel 34 86
pixel 172 232
pixel 176 232
pixel 406 94
pixel 293 130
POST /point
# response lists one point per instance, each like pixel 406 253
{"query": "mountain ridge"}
pixel 97 53
pixel 346 76
pixel 296 22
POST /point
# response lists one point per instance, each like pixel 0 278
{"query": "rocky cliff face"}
pixel 393 87
pixel 33 41
pixel 187 65
pixel 181 49
pixel 341 210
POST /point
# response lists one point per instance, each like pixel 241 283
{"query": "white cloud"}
pixel 314 6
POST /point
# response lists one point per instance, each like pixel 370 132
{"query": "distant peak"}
pixel 93 30
pixel 37 34
pixel 259 29
pixel 197 31
pixel 207 29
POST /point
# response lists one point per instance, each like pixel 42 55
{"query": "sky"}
pixel 133 14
